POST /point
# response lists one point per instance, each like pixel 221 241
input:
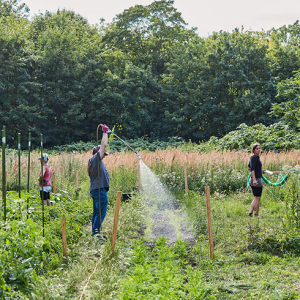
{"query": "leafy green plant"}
pixel 292 201
pixel 24 252
pixel 159 274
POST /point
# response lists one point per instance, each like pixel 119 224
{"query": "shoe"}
pixel 95 232
pixel 250 215
pixel 101 237
pixel 256 215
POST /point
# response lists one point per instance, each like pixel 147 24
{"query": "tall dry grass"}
pixel 175 156
pixel 64 165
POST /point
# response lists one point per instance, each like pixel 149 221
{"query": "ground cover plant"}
pixel 254 258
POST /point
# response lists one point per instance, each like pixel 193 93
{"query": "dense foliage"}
pixel 145 72
pixel 24 253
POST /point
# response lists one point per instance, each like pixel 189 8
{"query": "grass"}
pixel 255 258
pixel 246 265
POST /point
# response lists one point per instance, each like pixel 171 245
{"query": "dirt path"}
pixel 172 225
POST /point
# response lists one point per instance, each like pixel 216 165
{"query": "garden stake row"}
pixel 3 172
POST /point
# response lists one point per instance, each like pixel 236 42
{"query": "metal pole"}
pixel 19 156
pixel 3 172
pixel 19 170
pixel 42 185
pixel 98 154
pixel 28 177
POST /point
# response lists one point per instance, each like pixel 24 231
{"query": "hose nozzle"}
pixel 138 155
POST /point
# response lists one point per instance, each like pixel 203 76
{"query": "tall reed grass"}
pixel 223 171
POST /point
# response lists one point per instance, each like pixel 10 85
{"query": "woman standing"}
pixel 255 181
pixel 45 180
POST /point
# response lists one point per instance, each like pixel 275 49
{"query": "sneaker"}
pixel 101 237
pixel 95 232
pixel 250 215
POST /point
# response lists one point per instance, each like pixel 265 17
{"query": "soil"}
pixel 162 226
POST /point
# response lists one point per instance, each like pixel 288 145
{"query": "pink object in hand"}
pixel 104 128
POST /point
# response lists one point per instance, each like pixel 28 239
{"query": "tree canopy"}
pixel 146 73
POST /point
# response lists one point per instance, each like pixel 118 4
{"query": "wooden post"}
pixel 76 183
pixel 298 162
pixel 54 184
pixel 185 179
pixel 64 237
pixel 209 223
pixel 139 178
pixel 114 234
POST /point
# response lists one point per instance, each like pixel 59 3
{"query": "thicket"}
pixel 25 254
pixel 146 73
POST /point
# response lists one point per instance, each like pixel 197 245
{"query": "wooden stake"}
pixel 76 183
pixel 185 179
pixel 114 234
pixel 54 185
pixel 64 237
pixel 76 179
pixel 209 223
pixel 139 178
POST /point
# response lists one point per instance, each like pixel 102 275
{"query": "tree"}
pixel 18 107
pixel 215 84
pixel 11 7
pixel 125 97
pixel 289 110
pixel 65 46
pixel 284 50
pixel 147 33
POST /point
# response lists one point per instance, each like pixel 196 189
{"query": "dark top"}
pixel 93 173
pixel 255 165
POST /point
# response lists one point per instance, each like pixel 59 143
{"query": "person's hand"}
pixel 263 171
pixel 254 182
pixel 104 128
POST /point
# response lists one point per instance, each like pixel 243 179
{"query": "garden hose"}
pixel 266 181
pixel 125 143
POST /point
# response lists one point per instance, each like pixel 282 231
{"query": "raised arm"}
pixel 104 141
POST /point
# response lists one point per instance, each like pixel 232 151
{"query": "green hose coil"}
pixel 266 181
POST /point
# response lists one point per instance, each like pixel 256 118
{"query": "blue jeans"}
pixel 104 203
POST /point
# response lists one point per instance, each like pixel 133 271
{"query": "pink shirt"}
pixel 47 176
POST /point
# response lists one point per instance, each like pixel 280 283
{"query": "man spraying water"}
pixel 99 183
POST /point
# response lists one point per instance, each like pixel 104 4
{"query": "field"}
pixel 254 258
